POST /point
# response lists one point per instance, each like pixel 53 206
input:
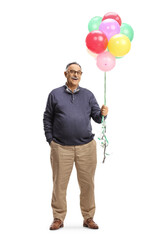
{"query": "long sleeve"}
pixel 48 118
pixel 95 110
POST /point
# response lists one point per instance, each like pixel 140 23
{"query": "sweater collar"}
pixel 70 91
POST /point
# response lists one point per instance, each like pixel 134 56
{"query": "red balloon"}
pixel 114 16
pixel 96 41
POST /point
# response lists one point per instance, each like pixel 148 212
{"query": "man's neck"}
pixel 72 88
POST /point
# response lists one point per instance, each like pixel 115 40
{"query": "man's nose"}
pixel 75 75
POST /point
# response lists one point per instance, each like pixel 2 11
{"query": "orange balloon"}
pixel 92 53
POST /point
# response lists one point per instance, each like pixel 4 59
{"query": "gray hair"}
pixel 73 63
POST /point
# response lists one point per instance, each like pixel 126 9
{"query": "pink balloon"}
pixel 106 61
pixel 109 27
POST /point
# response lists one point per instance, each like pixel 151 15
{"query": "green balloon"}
pixel 94 23
pixel 127 30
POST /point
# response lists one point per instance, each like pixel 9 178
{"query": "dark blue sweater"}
pixel 67 117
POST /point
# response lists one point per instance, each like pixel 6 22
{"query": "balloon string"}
pixel 103 137
pixel 104 88
pixel 104 142
pixel 104 93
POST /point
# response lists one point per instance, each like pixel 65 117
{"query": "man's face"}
pixel 73 75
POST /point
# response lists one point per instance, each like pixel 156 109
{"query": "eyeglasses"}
pixel 79 73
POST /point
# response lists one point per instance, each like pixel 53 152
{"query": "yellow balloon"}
pixel 119 45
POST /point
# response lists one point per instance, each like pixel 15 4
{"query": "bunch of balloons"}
pixel 108 39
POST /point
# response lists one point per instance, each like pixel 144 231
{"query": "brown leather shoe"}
pixel 57 223
pixel 90 223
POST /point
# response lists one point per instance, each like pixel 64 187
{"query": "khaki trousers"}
pixel 62 160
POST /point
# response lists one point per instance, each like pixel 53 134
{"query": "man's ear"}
pixel 65 74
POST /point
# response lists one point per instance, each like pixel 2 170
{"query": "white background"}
pixel 37 40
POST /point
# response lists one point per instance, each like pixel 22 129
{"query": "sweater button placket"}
pixel 72 98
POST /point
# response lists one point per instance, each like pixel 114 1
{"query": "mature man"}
pixel 67 126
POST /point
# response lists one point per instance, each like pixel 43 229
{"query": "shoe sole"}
pixel 85 225
pixel 57 228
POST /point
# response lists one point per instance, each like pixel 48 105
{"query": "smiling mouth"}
pixel 74 78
